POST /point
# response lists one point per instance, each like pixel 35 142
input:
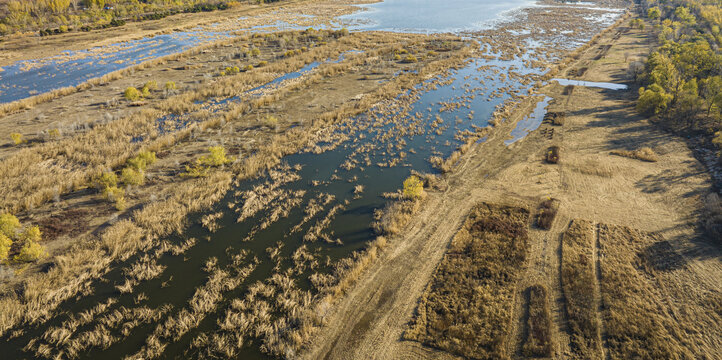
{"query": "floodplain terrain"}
pixel 286 187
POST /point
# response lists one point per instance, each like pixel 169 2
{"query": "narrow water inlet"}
pixel 602 85
pixel 530 122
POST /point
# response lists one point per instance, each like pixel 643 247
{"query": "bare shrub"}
pixel 547 212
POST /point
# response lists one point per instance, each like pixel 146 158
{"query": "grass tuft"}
pixel 644 154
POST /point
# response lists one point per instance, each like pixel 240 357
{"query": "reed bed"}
pixel 638 319
pixel 31 180
pixel 540 340
pixel 579 287
pixel 205 300
pixel 91 258
pixel 467 307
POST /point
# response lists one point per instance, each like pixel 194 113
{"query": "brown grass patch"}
pixel 547 212
pixel 644 154
pixel 468 306
pixel 637 319
pixel 540 341
pixel 578 284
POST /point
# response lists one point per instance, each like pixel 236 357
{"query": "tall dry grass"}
pixel 467 307
pixel 638 320
pixel 540 340
pixel 579 286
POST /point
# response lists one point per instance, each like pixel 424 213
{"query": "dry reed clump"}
pixel 467 307
pixel 144 269
pixel 552 155
pixel 210 221
pixel 637 318
pixel 547 212
pixel 314 206
pixel 68 342
pixel 315 232
pixel 644 154
pixel 392 219
pixel 578 284
pixel 540 341
pixel 205 300
pixel 280 208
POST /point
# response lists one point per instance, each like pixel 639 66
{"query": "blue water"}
pixel 57 72
pixel 594 84
pixel 431 16
pixel 530 122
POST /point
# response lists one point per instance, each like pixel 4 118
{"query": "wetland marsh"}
pixel 294 147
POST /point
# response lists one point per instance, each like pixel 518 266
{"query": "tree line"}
pixel 56 16
pixel 682 78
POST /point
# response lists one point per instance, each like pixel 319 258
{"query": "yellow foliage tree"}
pixel 413 188
pixel 9 225
pixel 5 244
pixel 132 176
pixel 30 252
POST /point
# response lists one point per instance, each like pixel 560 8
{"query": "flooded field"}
pixel 253 276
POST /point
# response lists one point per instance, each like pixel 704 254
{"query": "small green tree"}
pixel 132 176
pixel 105 180
pixel 196 170
pixel 32 233
pixel 9 225
pixel 170 85
pixel 654 13
pixel 216 157
pixel 151 85
pixel 115 195
pixel 683 14
pixel 142 160
pixel 652 101
pixel 132 94
pixel 410 59
pixel 711 91
pixel 413 188
pixel 17 138
pixel 31 251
